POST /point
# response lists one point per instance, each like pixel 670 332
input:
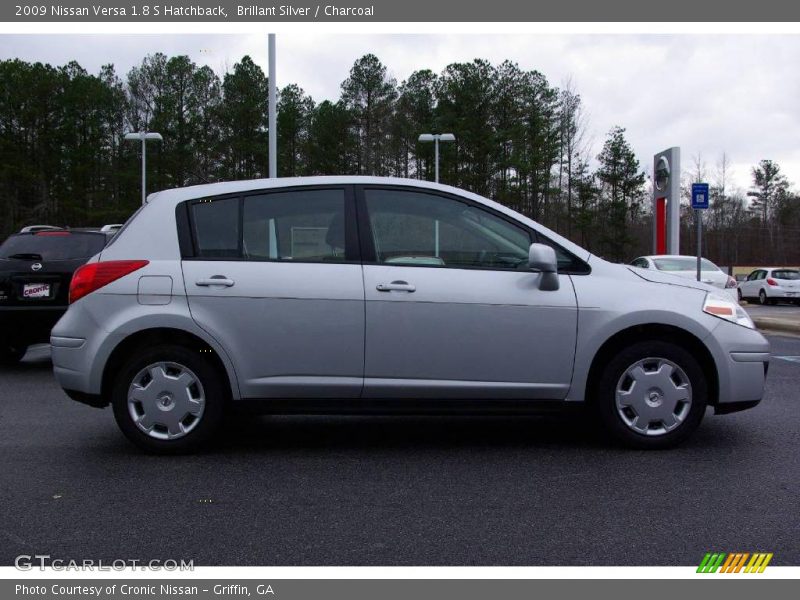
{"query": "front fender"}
pixel 611 302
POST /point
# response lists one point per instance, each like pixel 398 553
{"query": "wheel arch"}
pixel 660 332
pixel 163 335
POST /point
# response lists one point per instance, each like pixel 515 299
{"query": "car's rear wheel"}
pixel 762 297
pixel 12 353
pixel 168 399
pixel 652 395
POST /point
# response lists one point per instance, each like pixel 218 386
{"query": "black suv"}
pixel 36 267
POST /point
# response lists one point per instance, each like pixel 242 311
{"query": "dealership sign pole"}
pixel 699 203
pixel 667 201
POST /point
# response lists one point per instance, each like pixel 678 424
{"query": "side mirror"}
pixel 542 258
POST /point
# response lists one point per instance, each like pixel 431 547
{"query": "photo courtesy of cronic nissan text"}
pixel 413 301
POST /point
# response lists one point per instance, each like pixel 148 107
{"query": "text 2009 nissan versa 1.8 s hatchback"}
pixel 352 294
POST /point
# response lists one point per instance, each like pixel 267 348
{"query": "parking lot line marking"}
pixel 794 359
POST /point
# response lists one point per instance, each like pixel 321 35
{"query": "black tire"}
pixel 213 384
pixel 762 298
pixel 604 401
pixel 739 294
pixel 11 354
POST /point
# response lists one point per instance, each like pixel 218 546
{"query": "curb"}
pixel 772 324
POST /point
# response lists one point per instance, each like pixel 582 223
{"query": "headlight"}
pixel 727 309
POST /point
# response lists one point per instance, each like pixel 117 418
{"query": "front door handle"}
pixel 215 280
pixel 396 286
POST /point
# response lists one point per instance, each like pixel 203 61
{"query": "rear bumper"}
pixel 70 357
pixel 784 294
pixel 30 324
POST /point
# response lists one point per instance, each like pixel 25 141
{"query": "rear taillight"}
pixel 93 276
pixel 771 281
pixel 732 283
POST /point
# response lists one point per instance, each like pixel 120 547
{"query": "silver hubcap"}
pixel 166 400
pixel 653 396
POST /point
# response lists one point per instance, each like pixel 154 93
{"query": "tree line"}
pixel 520 140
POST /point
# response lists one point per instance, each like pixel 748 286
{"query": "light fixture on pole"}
pixel 436 138
pixel 144 137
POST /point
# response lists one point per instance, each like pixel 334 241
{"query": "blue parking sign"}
pixel 699 195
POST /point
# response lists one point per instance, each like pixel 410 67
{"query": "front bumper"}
pixel 742 359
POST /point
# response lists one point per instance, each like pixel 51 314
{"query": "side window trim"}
pixel 189 249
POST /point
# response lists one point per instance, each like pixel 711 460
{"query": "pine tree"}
pixel 622 187
pixel 368 93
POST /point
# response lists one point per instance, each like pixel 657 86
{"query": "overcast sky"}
pixel 705 93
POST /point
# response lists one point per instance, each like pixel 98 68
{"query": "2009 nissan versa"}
pixel 361 294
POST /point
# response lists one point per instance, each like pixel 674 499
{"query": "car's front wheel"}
pixel 652 395
pixel 168 399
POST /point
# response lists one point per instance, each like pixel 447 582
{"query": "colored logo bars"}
pixel 734 562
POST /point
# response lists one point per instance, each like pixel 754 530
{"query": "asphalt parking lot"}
pixel 787 311
pixel 397 490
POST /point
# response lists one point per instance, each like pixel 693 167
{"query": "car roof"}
pixel 232 187
pixel 59 232
pixel 671 256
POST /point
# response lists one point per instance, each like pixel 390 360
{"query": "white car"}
pixel 686 266
pixel 768 285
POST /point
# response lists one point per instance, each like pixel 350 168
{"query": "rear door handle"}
pixel 215 280
pixel 396 286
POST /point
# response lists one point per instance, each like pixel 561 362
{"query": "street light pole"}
pixel 436 160
pixel 273 133
pixel 436 138
pixel 144 137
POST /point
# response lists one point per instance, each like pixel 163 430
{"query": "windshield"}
pixel 786 274
pixel 53 245
pixel 681 263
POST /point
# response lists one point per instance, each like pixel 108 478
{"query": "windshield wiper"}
pixel 26 256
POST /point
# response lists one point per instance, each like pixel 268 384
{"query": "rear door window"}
pixel 298 225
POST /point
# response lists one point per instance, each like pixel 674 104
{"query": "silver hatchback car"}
pixel 364 295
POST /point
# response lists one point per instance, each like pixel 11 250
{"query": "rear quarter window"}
pixel 216 227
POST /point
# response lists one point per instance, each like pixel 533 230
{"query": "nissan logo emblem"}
pixel 36 266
